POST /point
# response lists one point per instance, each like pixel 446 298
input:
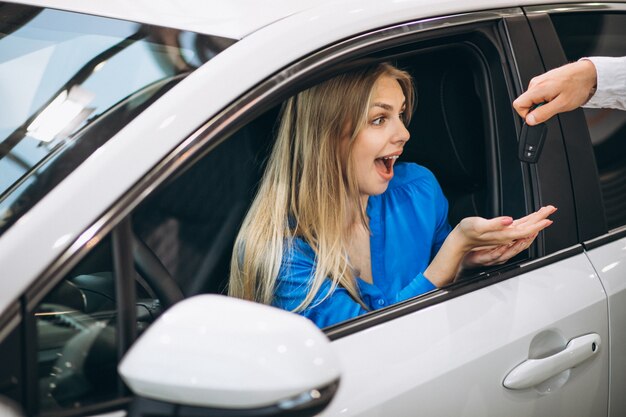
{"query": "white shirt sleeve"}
pixel 611 83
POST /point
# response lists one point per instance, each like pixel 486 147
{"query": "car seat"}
pixel 447 129
pixel 191 223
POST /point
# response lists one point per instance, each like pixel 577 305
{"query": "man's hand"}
pixel 562 89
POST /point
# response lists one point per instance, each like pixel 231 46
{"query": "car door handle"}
pixel 535 371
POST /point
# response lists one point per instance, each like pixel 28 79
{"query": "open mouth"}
pixel 384 165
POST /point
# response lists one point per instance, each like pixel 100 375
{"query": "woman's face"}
pixel 380 141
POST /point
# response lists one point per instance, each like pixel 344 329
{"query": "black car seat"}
pixel 447 131
pixel 191 223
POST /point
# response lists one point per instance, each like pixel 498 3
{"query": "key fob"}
pixel 531 142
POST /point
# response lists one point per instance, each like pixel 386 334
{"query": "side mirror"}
pixel 9 408
pixel 221 353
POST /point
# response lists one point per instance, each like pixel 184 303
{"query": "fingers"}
pixel 527 229
pixel 483 226
pixel 545 112
pixel 480 233
pixel 503 253
pixel 561 89
pixel 542 213
pixel 546 92
pixel 531 98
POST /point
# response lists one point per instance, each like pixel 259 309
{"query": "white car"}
pixel 133 136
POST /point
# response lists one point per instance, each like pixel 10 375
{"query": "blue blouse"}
pixel 408 224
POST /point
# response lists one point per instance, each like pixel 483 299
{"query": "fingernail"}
pixel 530 119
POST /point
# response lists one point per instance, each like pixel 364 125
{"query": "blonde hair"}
pixel 309 189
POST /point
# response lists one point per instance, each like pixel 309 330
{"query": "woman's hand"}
pixel 474 233
pixel 500 253
pixel 496 255
pixel 476 241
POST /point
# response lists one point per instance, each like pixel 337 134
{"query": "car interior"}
pixel 184 231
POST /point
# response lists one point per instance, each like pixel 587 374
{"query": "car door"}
pixel 595 139
pixel 449 354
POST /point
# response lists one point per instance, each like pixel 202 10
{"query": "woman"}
pixel 337 228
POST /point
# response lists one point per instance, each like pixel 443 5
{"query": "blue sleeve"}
pixel 419 285
pixel 443 228
pixel 292 287
pixel 427 197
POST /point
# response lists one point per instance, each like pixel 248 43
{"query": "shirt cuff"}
pixel 610 84
pixel 419 285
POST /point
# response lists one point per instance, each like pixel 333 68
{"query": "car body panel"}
pixel 609 261
pixel 451 358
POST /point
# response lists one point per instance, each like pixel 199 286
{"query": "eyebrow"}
pixel 387 106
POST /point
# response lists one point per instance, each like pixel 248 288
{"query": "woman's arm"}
pixel 487 241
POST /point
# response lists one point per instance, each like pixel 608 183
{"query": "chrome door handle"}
pixel 535 371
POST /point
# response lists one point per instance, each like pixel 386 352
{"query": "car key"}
pixel 531 141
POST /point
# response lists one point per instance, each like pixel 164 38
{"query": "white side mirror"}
pixel 9 408
pixel 220 352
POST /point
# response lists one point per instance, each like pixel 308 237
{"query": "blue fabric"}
pixel 408 224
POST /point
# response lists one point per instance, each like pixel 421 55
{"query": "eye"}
pixel 378 121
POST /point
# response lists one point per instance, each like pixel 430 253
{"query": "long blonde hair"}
pixel 309 189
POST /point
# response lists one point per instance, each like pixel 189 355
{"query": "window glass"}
pixel 77 332
pixel 73 81
pixel 601 34
pixel 76 336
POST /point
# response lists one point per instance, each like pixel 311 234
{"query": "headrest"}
pixel 447 133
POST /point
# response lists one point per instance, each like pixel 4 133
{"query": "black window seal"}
pixel 125 292
pixel 10 320
pixel 557 8
pixel 611 236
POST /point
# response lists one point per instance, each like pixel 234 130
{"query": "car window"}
pixel 73 81
pixel 601 34
pixel 78 334
pixel 191 222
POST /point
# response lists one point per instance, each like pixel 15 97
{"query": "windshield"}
pixel 69 82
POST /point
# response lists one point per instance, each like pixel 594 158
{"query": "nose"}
pixel 401 133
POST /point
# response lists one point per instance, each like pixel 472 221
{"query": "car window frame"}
pixel 268 94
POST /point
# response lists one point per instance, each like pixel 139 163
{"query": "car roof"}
pixel 232 19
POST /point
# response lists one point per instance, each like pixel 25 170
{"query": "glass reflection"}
pixel 70 82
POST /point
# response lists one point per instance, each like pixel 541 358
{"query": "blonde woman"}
pixel 338 228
